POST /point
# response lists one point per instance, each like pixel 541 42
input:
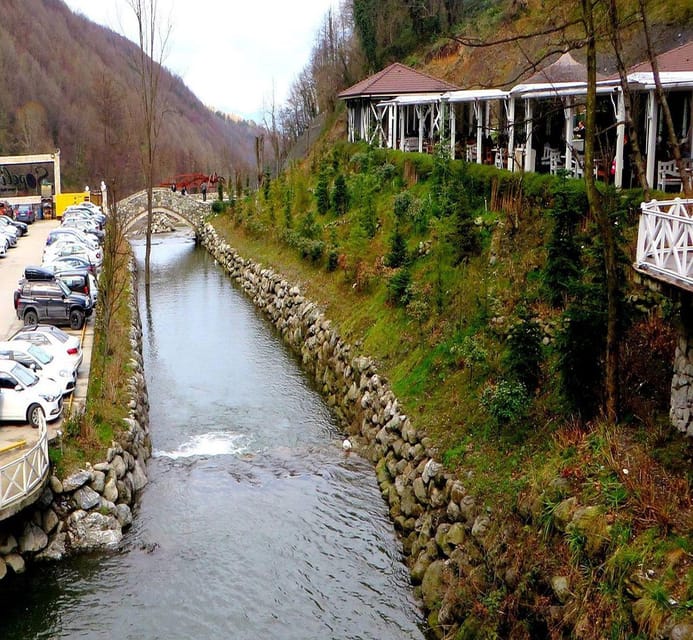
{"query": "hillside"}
pixel 480 295
pixel 68 83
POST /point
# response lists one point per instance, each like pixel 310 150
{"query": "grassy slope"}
pixel 636 475
pixel 512 469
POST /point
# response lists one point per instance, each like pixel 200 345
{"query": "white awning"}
pixel 561 91
pixel 472 95
pixel 547 88
pixel 669 79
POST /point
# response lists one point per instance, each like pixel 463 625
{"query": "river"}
pixel 255 524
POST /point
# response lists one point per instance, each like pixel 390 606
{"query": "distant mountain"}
pixel 68 83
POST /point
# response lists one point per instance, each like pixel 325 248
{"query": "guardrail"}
pixel 665 240
pixel 21 476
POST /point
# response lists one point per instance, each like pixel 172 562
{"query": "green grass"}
pixel 438 380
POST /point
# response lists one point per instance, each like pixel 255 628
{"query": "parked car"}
pixel 83 216
pixel 72 262
pixel 4 245
pixel 21 227
pixel 9 237
pixel 94 213
pixel 52 339
pixel 51 301
pixel 25 215
pixel 9 231
pixel 87 226
pixel 72 232
pixel 80 281
pixel 26 397
pixel 66 247
pixel 41 363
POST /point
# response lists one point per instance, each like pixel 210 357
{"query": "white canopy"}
pixel 472 95
pixel 669 79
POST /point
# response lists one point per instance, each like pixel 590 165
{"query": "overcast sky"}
pixel 228 52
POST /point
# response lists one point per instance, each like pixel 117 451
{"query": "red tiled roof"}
pixel 678 59
pixel 397 79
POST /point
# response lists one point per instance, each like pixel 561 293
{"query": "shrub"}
pixel 506 401
pixel 332 260
pixel 398 248
pixel 361 161
pixel 524 355
pixel 385 173
pixel 322 194
pixel 402 205
pixel 340 196
pixel 309 227
pixel 580 346
pixel 368 219
pixel 399 290
pixel 562 269
pixel 218 206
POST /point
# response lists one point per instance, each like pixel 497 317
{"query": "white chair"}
pixel 500 158
pixel 471 153
pixel 668 175
pixel 545 159
pixel 555 161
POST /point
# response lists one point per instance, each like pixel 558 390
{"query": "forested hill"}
pixel 68 83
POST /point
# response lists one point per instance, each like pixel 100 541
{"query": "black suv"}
pixel 51 301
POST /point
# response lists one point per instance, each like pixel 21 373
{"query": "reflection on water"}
pixel 254 524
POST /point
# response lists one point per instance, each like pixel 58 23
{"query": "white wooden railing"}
pixel 21 476
pixel 665 240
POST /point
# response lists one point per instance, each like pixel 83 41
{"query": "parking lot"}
pixel 29 251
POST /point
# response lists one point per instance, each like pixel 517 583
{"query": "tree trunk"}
pixel 664 104
pixel 601 215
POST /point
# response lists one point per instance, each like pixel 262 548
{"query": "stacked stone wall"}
pixel 91 508
pixel 430 508
pixel 452 544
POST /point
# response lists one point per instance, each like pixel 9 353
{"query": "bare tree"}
pixel 149 64
pixel 271 121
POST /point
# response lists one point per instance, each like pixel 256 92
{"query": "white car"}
pixel 63 248
pixel 54 340
pixel 72 233
pixel 4 245
pixel 41 363
pixel 26 397
pixel 10 233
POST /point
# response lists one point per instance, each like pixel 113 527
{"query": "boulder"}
pixel 16 563
pixel 33 539
pixel 435 583
pixel 8 544
pixel 50 521
pixel 76 480
pixel 85 498
pixel 93 530
pixel 55 550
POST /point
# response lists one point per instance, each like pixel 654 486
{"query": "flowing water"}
pixel 255 524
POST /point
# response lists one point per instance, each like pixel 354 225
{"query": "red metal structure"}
pixel 191 181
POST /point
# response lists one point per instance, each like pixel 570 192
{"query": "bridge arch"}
pixel 184 208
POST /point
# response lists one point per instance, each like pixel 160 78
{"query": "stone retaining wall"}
pixel 90 508
pixel 681 411
pixel 458 552
pixel 431 509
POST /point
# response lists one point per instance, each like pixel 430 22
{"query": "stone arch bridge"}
pixel 187 209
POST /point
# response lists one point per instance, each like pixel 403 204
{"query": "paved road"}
pixel 29 250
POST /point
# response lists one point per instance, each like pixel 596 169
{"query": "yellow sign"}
pixel 65 200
